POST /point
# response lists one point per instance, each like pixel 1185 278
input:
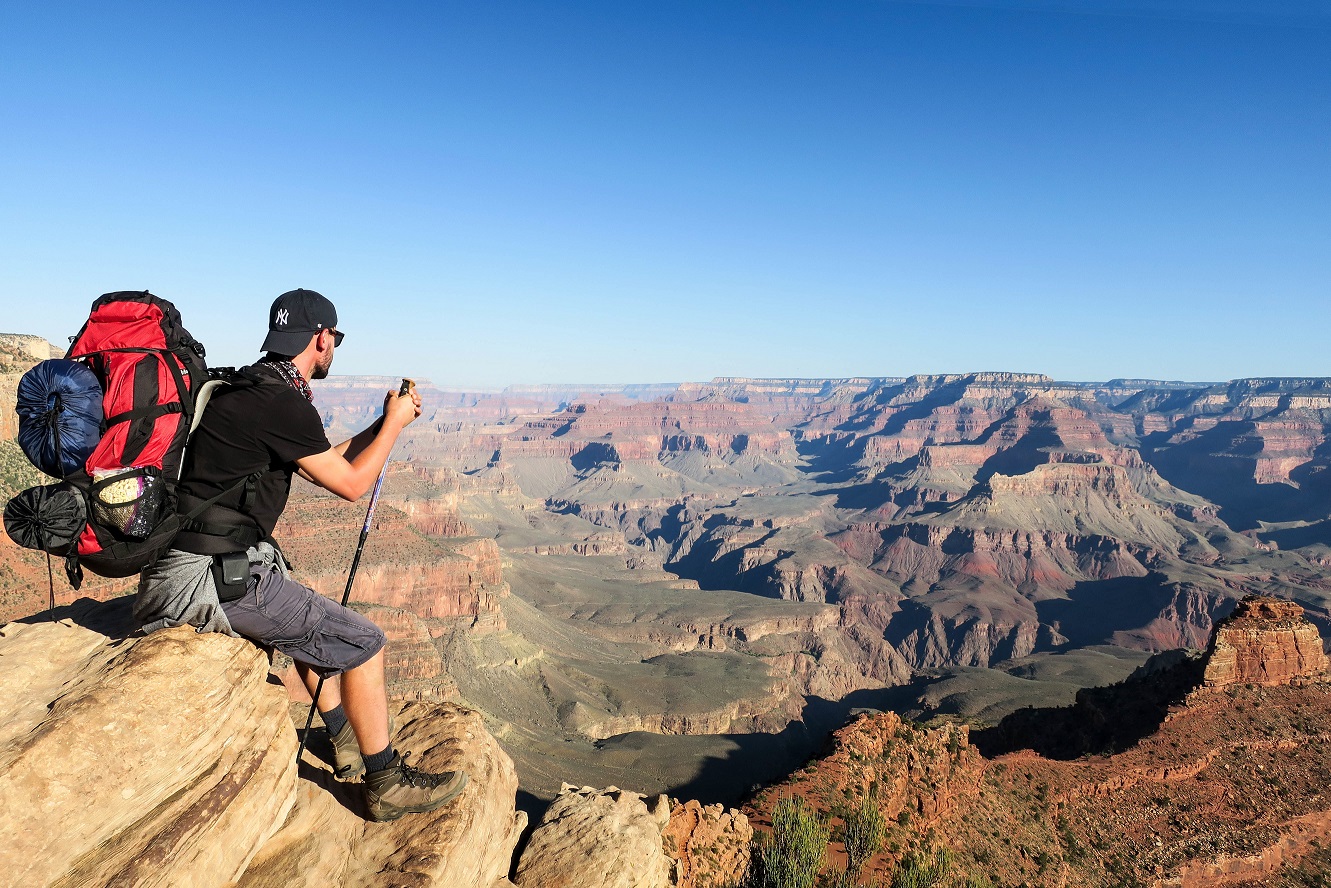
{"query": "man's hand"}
pixel 402 409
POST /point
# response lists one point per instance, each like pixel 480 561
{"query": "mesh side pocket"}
pixel 128 501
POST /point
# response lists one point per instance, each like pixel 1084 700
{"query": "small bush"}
pixel 862 834
pixel 842 878
pixel 792 854
pixel 923 869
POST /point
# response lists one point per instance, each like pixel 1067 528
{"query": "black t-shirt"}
pixel 247 429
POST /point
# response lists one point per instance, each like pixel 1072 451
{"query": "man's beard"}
pixel 321 368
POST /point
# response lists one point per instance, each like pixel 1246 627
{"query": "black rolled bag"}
pixel 49 518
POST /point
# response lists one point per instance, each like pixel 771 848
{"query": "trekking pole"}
pixel 407 386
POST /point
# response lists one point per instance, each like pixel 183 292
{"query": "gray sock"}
pixel 334 719
pixel 379 760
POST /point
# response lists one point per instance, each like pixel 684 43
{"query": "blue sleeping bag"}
pixel 59 407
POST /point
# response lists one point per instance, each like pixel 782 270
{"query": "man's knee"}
pixel 373 668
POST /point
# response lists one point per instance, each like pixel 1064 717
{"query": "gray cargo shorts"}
pixel 279 612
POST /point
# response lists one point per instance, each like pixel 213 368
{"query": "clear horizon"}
pixel 516 192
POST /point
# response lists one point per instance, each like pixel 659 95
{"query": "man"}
pixel 224 572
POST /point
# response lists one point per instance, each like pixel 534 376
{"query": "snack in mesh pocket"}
pixel 128 499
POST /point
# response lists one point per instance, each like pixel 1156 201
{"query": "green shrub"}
pixel 923 869
pixel 842 879
pixel 792 854
pixel 862 834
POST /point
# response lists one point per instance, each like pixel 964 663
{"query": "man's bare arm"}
pixel 350 469
pixel 351 447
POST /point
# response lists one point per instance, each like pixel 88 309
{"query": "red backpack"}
pixel 150 370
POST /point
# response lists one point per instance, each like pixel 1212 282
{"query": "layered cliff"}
pixel 440 578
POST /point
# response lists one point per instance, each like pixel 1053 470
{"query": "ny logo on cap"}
pixel 282 316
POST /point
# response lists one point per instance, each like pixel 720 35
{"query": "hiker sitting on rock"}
pixel 224 573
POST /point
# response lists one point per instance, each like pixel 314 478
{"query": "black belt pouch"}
pixel 231 572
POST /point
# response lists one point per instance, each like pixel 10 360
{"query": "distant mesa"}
pixel 1266 641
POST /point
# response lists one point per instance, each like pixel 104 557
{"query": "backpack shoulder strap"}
pixel 244 532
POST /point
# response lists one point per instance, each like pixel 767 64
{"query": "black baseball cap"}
pixel 295 316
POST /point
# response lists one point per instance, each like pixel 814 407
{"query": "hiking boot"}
pixel 401 789
pixel 347 761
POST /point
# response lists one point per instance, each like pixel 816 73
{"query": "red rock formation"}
pixel 709 845
pixel 634 432
pixel 1266 641
pixel 437 518
pixel 1298 838
pixel 439 580
pixel 1050 560
pixel 468 583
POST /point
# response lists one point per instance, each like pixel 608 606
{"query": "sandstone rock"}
pixel 468 842
pixel 169 760
pixel 1266 641
pixel 607 838
pixel 161 761
pixel 709 845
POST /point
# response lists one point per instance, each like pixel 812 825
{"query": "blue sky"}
pixel 510 192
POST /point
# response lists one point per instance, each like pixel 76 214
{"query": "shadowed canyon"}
pixel 683 589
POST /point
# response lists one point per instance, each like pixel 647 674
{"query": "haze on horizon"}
pixel 515 193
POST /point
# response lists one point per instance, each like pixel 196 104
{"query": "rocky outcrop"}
pixel 468 842
pixel 1153 781
pixel 1266 641
pixel 609 838
pixel 1298 838
pixel 128 762
pixel 170 760
pixel 708 844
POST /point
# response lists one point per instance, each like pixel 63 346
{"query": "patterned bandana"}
pixel 291 375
